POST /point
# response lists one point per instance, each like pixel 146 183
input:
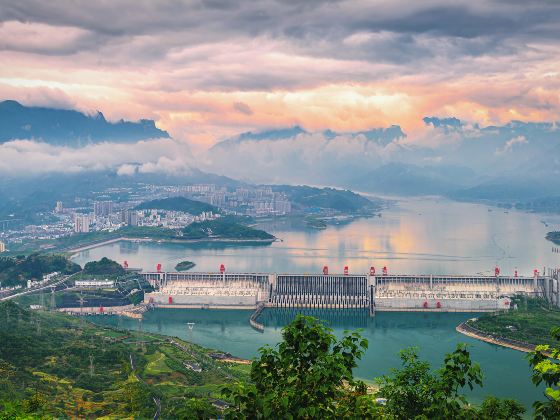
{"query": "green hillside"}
pixel 104 267
pixel 57 366
pixel 17 270
pixel 344 201
pixel 224 228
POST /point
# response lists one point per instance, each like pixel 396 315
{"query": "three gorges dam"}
pixel 372 291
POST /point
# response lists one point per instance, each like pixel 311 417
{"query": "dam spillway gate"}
pixel 397 292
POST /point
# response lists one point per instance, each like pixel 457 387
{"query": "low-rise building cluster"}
pixel 115 208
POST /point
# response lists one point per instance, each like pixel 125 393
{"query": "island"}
pixel 184 265
pixel 554 237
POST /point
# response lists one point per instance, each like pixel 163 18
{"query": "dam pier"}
pixel 371 291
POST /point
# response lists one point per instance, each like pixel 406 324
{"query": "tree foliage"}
pixel 415 391
pixel 308 375
pixel 227 227
pixel 545 361
pixel 17 270
pixel 104 267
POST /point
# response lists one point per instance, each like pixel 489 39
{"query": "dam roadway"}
pixel 371 291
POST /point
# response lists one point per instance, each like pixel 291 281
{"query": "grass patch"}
pixel 531 322
pixel 157 364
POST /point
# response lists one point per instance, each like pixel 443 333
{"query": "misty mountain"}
pixel 382 136
pixel 518 160
pixel 69 127
pixel 268 135
pixel 407 179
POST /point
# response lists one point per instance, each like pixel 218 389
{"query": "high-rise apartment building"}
pixel 2 247
pixel 81 223
pixel 129 217
pixel 102 208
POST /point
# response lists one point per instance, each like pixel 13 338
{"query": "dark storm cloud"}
pixel 305 22
pixel 243 108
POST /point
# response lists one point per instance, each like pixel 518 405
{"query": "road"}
pixel 38 289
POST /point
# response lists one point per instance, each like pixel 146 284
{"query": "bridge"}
pixel 371 291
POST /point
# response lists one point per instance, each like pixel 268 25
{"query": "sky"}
pixel 208 70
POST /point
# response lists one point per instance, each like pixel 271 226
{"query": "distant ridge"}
pixel 63 127
pixel 382 136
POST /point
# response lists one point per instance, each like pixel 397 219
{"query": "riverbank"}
pixel 472 332
pixel 174 241
pixel 524 327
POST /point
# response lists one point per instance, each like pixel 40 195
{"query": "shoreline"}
pixel 175 241
pixel 472 332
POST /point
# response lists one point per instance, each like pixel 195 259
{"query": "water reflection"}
pixel 344 318
pixel 422 236
pixel 128 247
pixel 507 373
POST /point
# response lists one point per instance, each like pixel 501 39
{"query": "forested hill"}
pixel 104 267
pixel 56 366
pixel 69 127
pixel 17 270
pixel 344 201
pixel 178 204
pixel 228 227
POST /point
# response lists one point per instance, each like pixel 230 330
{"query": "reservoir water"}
pixel 506 372
pixel 427 235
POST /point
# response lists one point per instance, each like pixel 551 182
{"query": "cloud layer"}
pixel 207 70
pixel 447 148
pixel 26 157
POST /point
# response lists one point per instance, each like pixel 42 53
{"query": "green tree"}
pixel 104 267
pixel 193 408
pixel 545 361
pixel 308 375
pixel 415 391
pixel 493 408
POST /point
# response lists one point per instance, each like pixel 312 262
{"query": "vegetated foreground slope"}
pixel 59 366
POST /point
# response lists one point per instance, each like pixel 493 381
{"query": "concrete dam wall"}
pixel 341 291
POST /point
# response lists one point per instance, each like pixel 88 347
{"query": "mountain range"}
pixel 69 127
pixel 516 162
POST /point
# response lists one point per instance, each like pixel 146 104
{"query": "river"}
pixel 427 235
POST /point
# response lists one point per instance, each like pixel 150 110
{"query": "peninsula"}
pixel 522 328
